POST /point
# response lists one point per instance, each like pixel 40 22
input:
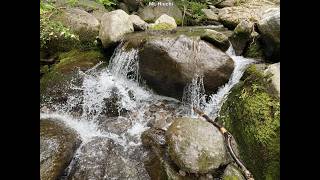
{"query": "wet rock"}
pixel 102 158
pixel 216 38
pixel 57 146
pixel 241 36
pixel 196 146
pixel 56 85
pixel 232 172
pixel 151 13
pixel 252 114
pixel 114 25
pixel 158 163
pixel 168 64
pixel 138 23
pixel 269 27
pixel 80 22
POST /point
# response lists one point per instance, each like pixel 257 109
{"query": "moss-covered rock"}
pixel 252 114
pixel 55 84
pixel 161 26
pixel 242 36
pixel 216 38
pixel 232 173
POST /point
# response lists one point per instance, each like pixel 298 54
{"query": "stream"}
pixel 135 108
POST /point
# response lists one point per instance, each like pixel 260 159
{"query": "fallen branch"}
pixel 228 137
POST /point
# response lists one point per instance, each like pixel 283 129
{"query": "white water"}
pixel 121 79
pixel 194 93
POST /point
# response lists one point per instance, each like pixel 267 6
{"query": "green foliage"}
pixel 52 30
pixel 193 10
pixel 73 2
pixel 252 114
pixel 108 4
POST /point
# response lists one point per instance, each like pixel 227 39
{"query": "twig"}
pixel 227 137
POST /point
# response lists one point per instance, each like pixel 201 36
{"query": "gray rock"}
pixel 216 38
pixel 150 13
pixel 232 172
pixel 102 158
pixel 210 14
pixel 169 64
pixel 138 23
pixel 274 69
pixel 269 26
pixel 114 25
pixel 196 146
pixel 82 23
pixel 57 146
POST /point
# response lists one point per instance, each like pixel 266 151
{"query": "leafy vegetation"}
pixel 52 30
pixel 192 10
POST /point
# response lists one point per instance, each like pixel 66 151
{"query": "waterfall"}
pixel 120 84
pixel 194 93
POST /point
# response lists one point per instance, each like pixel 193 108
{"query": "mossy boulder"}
pixel 232 173
pixel 252 114
pixel 196 146
pixel 161 26
pixel 58 144
pixel 216 38
pixel 55 84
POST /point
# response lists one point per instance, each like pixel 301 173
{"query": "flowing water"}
pixel 141 106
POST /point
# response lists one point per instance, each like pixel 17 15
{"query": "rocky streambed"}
pixel 117 104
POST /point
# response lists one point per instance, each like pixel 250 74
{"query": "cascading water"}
pixel 121 80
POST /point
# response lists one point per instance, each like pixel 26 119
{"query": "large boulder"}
pixel 196 146
pixel 151 13
pixel 252 114
pixel 158 162
pixel 80 22
pixel 164 22
pixel 102 158
pixel 114 25
pixel 269 27
pixel 57 146
pixel 169 64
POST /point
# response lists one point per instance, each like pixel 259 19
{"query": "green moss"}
pixel 252 114
pixel 162 26
pixel 230 178
pixel 54 84
pixel 254 51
